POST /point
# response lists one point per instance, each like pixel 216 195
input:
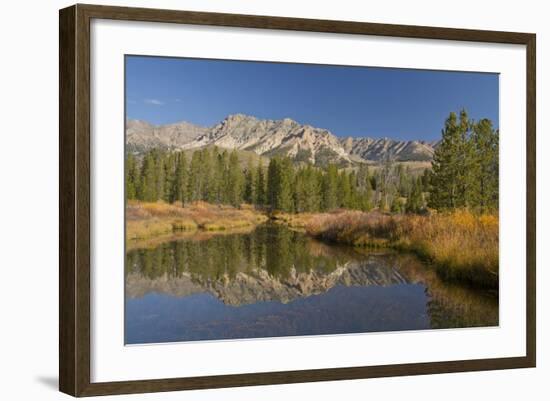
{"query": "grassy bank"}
pixel 146 220
pixel 297 221
pixel 461 245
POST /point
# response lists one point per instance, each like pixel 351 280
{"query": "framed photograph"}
pixel 250 200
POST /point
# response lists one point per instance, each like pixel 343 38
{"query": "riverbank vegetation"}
pixel 461 245
pixel 145 220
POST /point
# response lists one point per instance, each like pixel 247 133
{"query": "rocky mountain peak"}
pixel 303 143
pixel 238 119
pixel 141 135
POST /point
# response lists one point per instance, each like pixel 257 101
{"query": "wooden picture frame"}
pixel 74 199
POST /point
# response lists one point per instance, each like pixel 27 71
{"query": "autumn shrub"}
pixel 355 228
pixel 460 244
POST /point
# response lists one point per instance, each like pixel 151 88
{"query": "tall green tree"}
pixel 179 185
pixel 169 175
pixel 447 187
pixel 260 185
pixel 366 198
pixel 485 188
pixel 329 188
pixel 387 183
pixel 273 179
pixel 147 186
pixel 284 198
pixel 364 188
pixel 159 175
pixel 307 190
pixel 194 184
pixel 467 168
pixel 426 177
pixel 280 177
pixel 415 202
pixel 208 189
pixel 250 191
pixel 132 177
pixel 221 177
pixel 235 180
pixel 354 198
pixel 343 193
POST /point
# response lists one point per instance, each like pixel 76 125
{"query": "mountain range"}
pixel 302 143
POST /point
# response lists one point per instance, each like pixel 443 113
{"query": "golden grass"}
pixel 150 219
pixel 462 245
pixel 294 220
pixel 184 224
pixel 147 228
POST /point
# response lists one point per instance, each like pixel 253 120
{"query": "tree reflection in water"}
pixel 273 268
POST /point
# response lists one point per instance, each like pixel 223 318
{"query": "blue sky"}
pixel 348 101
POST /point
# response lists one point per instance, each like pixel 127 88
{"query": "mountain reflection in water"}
pixel 277 282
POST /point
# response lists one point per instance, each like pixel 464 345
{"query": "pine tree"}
pixel 486 152
pixel 194 185
pixel 426 177
pixel 159 175
pixel 363 178
pixel 403 183
pixel 467 167
pixel 445 167
pixel 280 177
pixel 147 187
pixel 221 176
pixel 132 177
pixel 260 185
pixel 250 183
pixel 300 192
pixel 307 190
pixel 313 187
pixel 169 175
pixel 179 185
pixel 415 203
pixel 343 190
pixel 386 183
pixel 208 190
pixel 329 188
pixel 354 198
pixel 364 189
pixel 273 178
pixel 284 196
pixel 366 197
pixel 235 180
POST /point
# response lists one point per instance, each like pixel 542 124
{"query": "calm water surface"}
pixel 277 282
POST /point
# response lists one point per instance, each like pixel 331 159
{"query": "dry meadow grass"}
pixel 463 246
pixel 150 219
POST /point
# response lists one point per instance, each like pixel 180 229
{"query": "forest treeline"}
pixel 464 174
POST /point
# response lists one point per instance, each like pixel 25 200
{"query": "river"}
pixel 274 281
